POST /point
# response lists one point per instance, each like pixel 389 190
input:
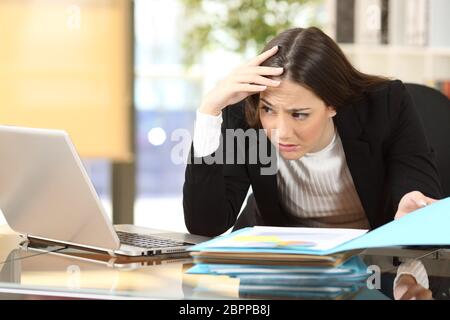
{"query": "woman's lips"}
pixel 288 147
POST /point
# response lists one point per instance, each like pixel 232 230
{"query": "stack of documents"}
pixel 291 281
pixel 272 262
pixel 313 262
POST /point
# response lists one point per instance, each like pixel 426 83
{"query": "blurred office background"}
pixel 140 68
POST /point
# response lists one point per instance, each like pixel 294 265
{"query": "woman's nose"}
pixel 284 129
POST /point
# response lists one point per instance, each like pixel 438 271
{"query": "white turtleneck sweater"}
pixel 318 189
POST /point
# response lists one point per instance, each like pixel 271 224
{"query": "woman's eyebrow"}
pixel 267 102
pixel 289 110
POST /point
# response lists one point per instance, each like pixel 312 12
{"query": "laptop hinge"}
pixel 33 239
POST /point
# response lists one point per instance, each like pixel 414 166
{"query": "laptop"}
pixel 46 195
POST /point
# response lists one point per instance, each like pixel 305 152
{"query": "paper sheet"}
pixel 289 238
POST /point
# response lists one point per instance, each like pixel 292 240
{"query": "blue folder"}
pixel 352 267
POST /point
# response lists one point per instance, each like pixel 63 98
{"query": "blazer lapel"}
pixel 359 157
pixel 265 187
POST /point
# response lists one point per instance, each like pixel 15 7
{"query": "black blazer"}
pixel 386 151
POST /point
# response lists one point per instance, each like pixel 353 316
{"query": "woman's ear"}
pixel 331 111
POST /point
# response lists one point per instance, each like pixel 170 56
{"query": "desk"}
pixel 28 274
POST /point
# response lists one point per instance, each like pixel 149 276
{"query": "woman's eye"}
pixel 300 116
pixel 266 109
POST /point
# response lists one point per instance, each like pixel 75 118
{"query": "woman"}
pixel 353 153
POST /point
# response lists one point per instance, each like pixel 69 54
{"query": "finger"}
pixel 412 203
pixel 424 201
pixel 407 279
pixel 417 199
pixel 244 87
pixel 400 290
pixel 425 295
pixel 418 293
pixel 431 200
pixel 420 203
pixel 263 57
pixel 412 292
pixel 255 79
pixel 420 199
pixel 262 71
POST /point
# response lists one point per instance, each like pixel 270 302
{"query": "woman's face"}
pixel 303 121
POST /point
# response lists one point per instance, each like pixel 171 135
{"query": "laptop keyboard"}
pixel 146 241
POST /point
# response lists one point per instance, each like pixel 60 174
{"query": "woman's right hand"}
pixel 242 82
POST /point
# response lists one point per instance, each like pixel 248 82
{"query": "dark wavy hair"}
pixel 312 59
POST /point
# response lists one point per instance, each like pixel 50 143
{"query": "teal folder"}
pixel 352 267
pixel 428 226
